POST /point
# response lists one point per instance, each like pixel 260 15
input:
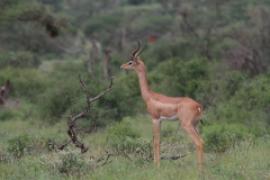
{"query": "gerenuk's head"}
pixel 134 63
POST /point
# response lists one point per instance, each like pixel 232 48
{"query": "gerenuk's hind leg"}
pixel 187 118
pixel 197 140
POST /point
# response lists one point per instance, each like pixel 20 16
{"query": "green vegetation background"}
pixel 213 51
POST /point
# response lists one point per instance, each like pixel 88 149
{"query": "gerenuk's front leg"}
pixel 156 141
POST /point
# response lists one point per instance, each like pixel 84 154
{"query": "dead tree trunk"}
pixel 106 68
pixel 72 132
pixel 93 56
pixel 4 92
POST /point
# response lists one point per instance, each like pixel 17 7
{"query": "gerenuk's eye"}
pixel 129 63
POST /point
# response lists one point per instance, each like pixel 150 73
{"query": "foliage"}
pixel 71 164
pixel 19 59
pixel 125 141
pixel 124 93
pixel 216 52
pixel 103 23
pixel 220 86
pixel 16 109
pixel 121 136
pixel 19 146
pixel 24 144
pixel 221 137
pixel 229 165
pixel 55 102
pixel 26 83
pixel 249 103
pixel 183 77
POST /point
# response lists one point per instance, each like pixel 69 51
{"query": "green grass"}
pixel 245 161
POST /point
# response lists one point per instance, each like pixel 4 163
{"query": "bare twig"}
pixel 4 92
pixel 73 119
pixel 90 99
pixel 174 157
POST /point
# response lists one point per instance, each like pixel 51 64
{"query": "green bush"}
pixel 71 164
pixel 26 83
pixel 125 141
pixel 167 49
pixel 220 86
pixel 154 24
pixel 125 97
pixel 220 137
pixel 19 146
pixel 65 96
pixel 58 99
pixel 21 59
pixel 6 114
pixel 121 137
pixel 25 144
pixel 136 2
pixel 254 93
pixel 18 109
pixel 103 26
pixel 248 105
pixel 183 77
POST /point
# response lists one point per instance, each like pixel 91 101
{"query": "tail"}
pixel 200 110
pixel 200 113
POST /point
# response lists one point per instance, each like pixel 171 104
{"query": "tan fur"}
pixel 160 106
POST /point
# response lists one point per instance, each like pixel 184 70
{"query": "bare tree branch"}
pixel 73 119
pixel 90 99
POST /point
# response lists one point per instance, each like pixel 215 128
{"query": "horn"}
pixel 135 52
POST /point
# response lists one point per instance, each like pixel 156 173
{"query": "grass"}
pixel 246 161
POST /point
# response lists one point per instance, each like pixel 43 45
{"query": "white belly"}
pixel 174 117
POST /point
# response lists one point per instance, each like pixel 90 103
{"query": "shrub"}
pixel 66 97
pixel 220 86
pixel 249 105
pixel 121 137
pixel 183 77
pixel 25 144
pixel 136 2
pixel 220 137
pixel 21 59
pixel 124 141
pixel 19 146
pixel 125 97
pixel 168 49
pixel 254 93
pixel 26 83
pixel 6 114
pixel 55 102
pixel 4 157
pixel 154 24
pixel 20 110
pixel 71 164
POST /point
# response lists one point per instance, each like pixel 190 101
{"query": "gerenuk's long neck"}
pixel 145 90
